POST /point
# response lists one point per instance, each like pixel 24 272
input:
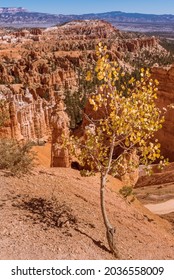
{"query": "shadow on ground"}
pixel 51 214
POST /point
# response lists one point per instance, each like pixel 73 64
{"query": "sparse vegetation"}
pixel 168 44
pixel 74 105
pixel 126 191
pixel 147 59
pixel 16 158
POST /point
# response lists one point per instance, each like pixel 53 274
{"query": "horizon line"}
pixel 140 13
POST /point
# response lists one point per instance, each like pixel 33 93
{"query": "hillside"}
pixel 55 214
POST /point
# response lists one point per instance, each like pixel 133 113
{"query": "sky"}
pixel 93 6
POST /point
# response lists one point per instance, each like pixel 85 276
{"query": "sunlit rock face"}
pixel 29 118
pixel 165 76
pixel 60 128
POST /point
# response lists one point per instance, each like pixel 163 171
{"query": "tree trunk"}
pixel 110 230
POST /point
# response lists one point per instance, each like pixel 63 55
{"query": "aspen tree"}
pixel 128 119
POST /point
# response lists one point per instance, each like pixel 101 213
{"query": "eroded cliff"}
pixel 165 76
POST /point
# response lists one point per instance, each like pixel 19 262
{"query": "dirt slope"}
pixel 43 155
pixel 55 214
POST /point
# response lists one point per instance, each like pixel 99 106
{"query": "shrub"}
pixel 16 158
pixel 75 103
pixel 126 191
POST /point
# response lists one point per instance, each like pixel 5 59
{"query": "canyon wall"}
pixel 165 76
pixel 29 118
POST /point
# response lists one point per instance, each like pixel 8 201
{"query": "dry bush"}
pixel 126 191
pixel 16 158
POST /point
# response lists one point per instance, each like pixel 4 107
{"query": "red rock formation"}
pixel 52 61
pixel 29 118
pixel 165 76
pixel 60 126
pixel 57 59
pixel 14 124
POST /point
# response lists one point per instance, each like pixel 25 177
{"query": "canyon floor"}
pixel 54 213
pixel 156 192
